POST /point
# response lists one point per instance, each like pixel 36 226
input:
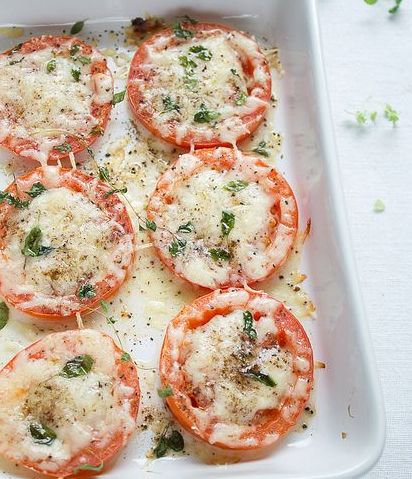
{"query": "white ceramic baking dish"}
pixel 347 435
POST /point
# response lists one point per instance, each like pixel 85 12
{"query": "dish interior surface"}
pixel 345 436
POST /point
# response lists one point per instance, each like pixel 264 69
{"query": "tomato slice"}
pixel 86 415
pixel 56 94
pixel 224 218
pixel 240 366
pixel 66 248
pixel 207 86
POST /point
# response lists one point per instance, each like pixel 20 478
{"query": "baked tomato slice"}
pixel 68 403
pixel 66 242
pixel 224 218
pixel 203 85
pixel 55 97
pixel 240 366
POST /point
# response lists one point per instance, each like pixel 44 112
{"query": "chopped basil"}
pixel 220 254
pixel 190 83
pixel 126 357
pixel 174 441
pixel 248 325
pixel 36 189
pixel 181 32
pixel 201 52
pixel 261 149
pixel 51 66
pixel 186 228
pixel 165 392
pixel 188 64
pixel 151 225
pixel 77 27
pixel 395 8
pixel 105 305
pixel 188 19
pixel 86 291
pixel 361 117
pixel 104 173
pixel 373 115
pixel 261 377
pixel 379 206
pixel 115 190
pixel 16 49
pixel 76 74
pixel 118 97
pixel 236 185
pixel 78 366
pixel 390 114
pixel 370 2
pixel 84 60
pixel 63 148
pixel 12 200
pixel 14 62
pixel 241 99
pixel 42 434
pixel 169 105
pixel 97 131
pixel 89 467
pixel 234 72
pixel 74 50
pixel 177 247
pixel 32 244
pixel 204 115
pixel 4 314
pixel 227 222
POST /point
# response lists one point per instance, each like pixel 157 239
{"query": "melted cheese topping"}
pixel 79 410
pixel 87 247
pixel 44 107
pixel 201 198
pixel 181 78
pixel 225 393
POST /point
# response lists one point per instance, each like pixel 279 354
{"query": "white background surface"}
pixel 368 61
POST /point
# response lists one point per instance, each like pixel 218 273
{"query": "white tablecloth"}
pixel 368 59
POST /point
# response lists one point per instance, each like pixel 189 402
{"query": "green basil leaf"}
pixel 204 115
pixel 84 60
pixel 118 97
pixel 175 441
pixel 182 32
pixel 78 366
pixel 89 467
pixel 177 247
pixel 165 392
pixel 42 434
pixel 14 62
pixel 234 72
pixel 241 99
pixel 227 222
pixel 4 314
pixel 77 27
pixel 115 190
pixel 248 325
pixel 170 105
pixel 186 228
pixel 74 50
pixel 151 225
pixel 220 254
pixel 126 357
pixel 261 149
pixel 76 74
pixel 16 49
pixel 104 173
pixel 190 83
pixel 201 52
pixel 12 200
pixel 36 189
pixel 161 448
pixel 86 291
pixel 105 305
pixel 236 185
pixel 32 244
pixel 63 148
pixel 51 66
pixel 261 377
